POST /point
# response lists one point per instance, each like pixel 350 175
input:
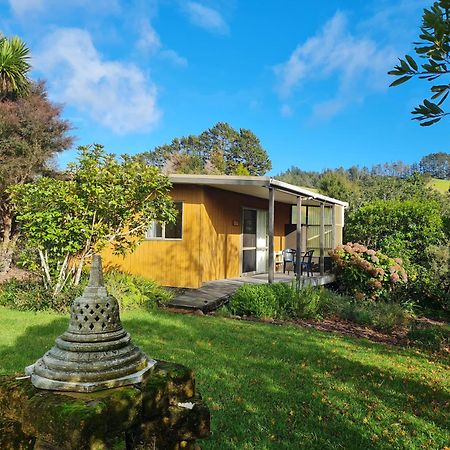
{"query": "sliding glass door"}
pixel 254 241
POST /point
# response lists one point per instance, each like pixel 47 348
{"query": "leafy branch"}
pixel 435 48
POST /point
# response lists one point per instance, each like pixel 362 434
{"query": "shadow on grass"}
pixel 282 387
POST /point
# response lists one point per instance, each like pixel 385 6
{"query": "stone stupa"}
pixel 95 352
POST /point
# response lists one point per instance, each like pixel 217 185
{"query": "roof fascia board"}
pixel 305 192
pixel 263 181
pixel 218 180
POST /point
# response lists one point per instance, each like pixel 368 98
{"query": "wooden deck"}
pixel 215 293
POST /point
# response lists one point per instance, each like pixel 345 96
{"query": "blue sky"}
pixel 309 78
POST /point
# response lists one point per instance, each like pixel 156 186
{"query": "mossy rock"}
pixel 94 421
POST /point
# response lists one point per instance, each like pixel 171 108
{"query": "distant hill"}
pixel 440 185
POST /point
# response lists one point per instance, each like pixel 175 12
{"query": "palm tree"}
pixel 14 66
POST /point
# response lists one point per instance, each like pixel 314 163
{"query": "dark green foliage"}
pixel 278 300
pixel 254 300
pixel 31 295
pixel 429 336
pixel 338 185
pixel 398 228
pixel 429 290
pixel 434 47
pixel 284 301
pixel 394 210
pixel 436 164
pixel 218 150
pixel 416 230
pixel 131 291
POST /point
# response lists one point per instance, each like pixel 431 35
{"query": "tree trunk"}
pixel 79 271
pixel 61 277
pixel 45 269
pixel 8 241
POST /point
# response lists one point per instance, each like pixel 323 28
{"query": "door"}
pixel 254 241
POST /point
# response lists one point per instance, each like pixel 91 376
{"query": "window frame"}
pixel 163 228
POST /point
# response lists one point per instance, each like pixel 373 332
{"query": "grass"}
pixel 442 186
pixel 278 387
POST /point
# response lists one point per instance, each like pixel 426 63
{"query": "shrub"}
pixel 429 336
pixel 308 303
pixel 366 273
pixel 279 300
pixel 381 316
pixel 131 291
pixel 393 226
pixel 416 229
pixel 31 295
pixel 284 301
pixel 257 300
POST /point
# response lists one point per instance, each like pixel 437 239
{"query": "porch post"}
pixel 322 239
pixel 299 236
pixel 333 227
pixel 271 274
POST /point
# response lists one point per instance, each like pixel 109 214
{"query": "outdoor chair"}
pixel 278 260
pixel 288 258
pixel 306 263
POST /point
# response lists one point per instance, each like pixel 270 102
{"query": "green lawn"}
pixel 278 387
pixel 441 185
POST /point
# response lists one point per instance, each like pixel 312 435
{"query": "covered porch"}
pixel 272 216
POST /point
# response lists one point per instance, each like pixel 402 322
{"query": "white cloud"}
pixel 115 94
pixel 22 6
pixel 151 42
pixel 174 57
pixel 358 64
pixel 206 17
pixel 149 38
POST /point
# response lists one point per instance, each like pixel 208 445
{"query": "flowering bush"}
pixel 366 273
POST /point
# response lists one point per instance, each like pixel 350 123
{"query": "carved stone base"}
pixel 163 412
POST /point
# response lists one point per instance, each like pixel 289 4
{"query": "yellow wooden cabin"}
pixel 233 226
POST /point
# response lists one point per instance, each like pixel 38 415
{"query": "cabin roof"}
pixel 258 187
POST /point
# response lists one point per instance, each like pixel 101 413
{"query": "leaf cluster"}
pixel 14 67
pixel 434 47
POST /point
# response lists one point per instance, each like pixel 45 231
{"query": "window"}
pixel 174 230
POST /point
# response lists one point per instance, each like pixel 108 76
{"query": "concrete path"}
pixel 215 293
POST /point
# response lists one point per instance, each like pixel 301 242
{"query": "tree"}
pixel 14 67
pixel 31 133
pixel 218 150
pixel 338 185
pixel 434 47
pixel 246 150
pixel 436 164
pixel 102 202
